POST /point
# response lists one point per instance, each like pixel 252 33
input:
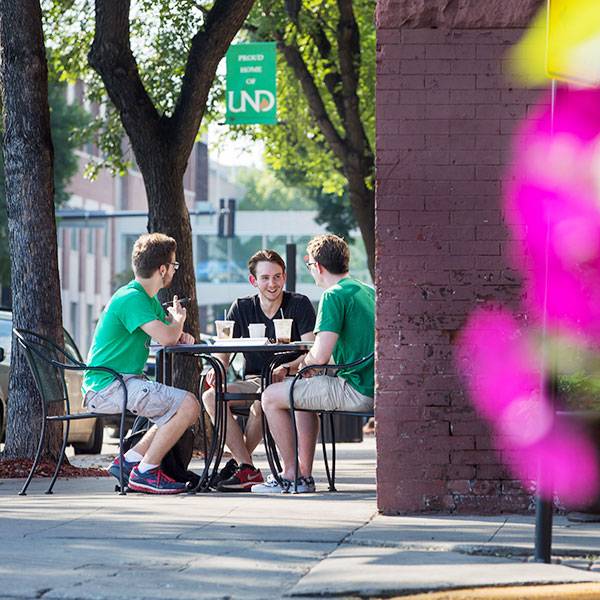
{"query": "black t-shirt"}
pixel 247 310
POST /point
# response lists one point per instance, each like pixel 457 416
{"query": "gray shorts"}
pixel 146 398
pixel 324 392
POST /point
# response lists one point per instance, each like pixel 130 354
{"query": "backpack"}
pixel 176 461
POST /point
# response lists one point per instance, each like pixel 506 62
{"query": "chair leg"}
pixel 61 456
pixel 324 447
pixel 332 487
pixel 296 458
pixel 122 491
pixel 36 460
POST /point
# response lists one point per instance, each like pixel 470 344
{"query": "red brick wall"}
pixel 445 114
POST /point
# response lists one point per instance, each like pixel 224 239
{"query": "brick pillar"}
pixel 445 115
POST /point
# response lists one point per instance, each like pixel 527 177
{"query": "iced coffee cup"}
pixel 256 330
pixel 224 329
pixel 283 330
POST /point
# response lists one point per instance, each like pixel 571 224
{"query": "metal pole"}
pixel 290 261
pixel 543 508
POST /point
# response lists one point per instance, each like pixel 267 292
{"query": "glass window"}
pixel 105 241
pixel 6 338
pixel 74 238
pixel 91 239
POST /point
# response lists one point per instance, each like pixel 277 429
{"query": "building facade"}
pixel 446 111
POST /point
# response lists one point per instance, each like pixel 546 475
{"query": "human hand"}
pixel 210 378
pixel 186 338
pixel 177 313
pixel 279 374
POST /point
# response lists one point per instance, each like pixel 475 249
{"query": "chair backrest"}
pixel 47 362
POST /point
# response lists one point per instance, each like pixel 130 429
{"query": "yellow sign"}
pixel 573 41
pixel 562 42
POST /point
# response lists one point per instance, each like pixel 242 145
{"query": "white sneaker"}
pixel 306 485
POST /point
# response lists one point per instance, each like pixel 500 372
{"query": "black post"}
pixel 290 262
pixel 230 218
pixel 221 218
pixel 543 530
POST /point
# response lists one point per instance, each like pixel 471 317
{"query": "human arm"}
pixel 290 368
pixel 210 376
pixel 321 352
pixel 167 334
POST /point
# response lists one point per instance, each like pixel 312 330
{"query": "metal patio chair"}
pixel 322 413
pixel 48 363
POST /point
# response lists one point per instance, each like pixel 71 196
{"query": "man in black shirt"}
pixel 267 275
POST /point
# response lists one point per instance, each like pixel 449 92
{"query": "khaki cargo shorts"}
pixel 156 401
pixel 324 392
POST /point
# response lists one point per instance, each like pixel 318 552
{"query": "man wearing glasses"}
pixel 344 330
pixel 121 342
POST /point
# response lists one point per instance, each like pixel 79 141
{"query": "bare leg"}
pixel 275 403
pixel 253 433
pixel 142 446
pixel 167 435
pixel 235 438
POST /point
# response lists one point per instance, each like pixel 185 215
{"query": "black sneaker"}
pixel 226 472
pixel 242 481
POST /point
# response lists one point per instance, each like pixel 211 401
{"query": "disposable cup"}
pixel 224 329
pixel 257 330
pixel 283 330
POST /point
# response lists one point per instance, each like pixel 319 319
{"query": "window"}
pixel 74 238
pixel 91 239
pixel 74 319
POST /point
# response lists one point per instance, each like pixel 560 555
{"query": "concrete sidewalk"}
pixel 85 542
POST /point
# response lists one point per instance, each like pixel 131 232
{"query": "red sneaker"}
pixel 242 480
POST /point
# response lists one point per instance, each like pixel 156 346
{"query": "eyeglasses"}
pixel 308 263
pixel 175 265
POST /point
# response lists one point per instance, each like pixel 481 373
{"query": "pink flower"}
pixel 505 380
pixel 556 197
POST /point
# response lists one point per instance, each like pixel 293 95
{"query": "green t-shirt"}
pixel 348 309
pixel 119 343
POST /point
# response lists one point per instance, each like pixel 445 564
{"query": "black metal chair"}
pixel 335 369
pixel 48 363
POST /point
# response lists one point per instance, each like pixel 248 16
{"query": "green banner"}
pixel 251 84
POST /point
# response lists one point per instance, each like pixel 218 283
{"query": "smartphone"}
pixel 182 301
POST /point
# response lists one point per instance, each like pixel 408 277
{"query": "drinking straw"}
pixel 224 314
pixel 281 311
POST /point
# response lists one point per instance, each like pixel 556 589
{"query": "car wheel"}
pixel 94 446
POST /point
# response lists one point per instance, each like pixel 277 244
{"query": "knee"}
pixel 208 398
pixel 191 407
pixel 269 399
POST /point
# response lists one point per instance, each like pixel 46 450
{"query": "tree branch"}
pixel 208 48
pixel 348 37
pixel 111 57
pixel 316 105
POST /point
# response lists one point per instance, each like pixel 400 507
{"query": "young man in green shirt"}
pixel 345 330
pixel 121 342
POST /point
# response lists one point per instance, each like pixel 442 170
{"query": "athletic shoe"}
pixel 242 480
pixel 225 473
pixel 306 485
pixel 154 481
pixel 127 467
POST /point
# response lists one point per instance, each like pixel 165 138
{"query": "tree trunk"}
pixel 362 200
pixel 28 156
pixel 168 214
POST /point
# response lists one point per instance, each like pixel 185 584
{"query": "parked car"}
pixel 85 435
pixel 220 271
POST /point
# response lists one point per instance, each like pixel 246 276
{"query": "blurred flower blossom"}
pixel 504 376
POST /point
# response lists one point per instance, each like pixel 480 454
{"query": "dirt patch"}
pixel 19 469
